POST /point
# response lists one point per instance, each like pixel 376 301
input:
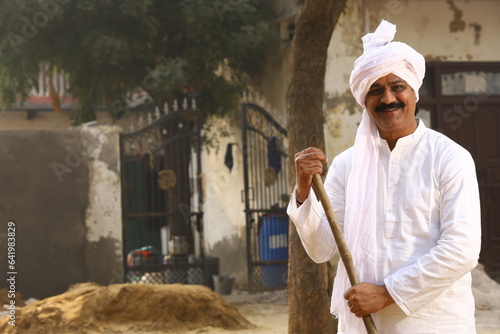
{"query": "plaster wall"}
pixel 224 215
pixel 103 216
pixel 46 120
pixel 61 189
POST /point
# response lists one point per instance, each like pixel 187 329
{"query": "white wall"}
pixel 224 217
pixel 103 217
pixel 104 214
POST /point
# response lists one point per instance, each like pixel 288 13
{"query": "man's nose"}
pixel 388 96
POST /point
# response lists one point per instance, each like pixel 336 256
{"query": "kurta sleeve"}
pixel 457 250
pixel 310 219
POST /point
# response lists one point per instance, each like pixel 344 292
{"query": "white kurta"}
pixel 428 232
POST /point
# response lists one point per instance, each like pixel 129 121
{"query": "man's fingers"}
pixel 311 156
pixel 365 298
pixel 310 164
pixel 311 150
pixel 354 308
pixel 307 163
pixel 311 153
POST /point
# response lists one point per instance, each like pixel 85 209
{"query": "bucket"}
pixel 223 284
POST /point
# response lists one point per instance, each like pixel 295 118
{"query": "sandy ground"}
pixel 272 318
pixel 181 309
pixel 269 313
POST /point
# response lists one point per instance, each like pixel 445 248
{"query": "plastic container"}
pixel 273 245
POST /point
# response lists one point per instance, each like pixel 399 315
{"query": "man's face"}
pixel 391 102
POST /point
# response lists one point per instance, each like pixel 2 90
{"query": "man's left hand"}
pixel 366 298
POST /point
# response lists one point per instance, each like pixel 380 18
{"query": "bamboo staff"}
pixel 345 254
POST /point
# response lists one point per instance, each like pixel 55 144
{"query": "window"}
pixel 466 83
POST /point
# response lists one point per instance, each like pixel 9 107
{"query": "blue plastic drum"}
pixel 273 245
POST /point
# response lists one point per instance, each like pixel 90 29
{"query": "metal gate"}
pixel 162 202
pixel 266 196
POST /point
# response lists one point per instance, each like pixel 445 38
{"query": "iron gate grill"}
pixel 162 202
pixel 266 196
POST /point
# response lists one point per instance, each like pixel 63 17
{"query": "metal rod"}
pixel 246 180
pixel 345 254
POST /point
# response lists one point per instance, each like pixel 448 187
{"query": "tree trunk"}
pixel 309 284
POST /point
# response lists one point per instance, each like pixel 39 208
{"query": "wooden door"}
pixel 462 101
pixel 479 133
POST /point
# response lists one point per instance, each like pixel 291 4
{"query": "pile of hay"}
pixel 127 308
pixel 5 300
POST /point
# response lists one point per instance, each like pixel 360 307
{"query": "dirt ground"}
pixel 181 309
pixel 270 314
pixel 268 311
pixel 272 318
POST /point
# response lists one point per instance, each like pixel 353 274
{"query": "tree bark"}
pixel 309 284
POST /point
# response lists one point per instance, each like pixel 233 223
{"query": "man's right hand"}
pixel 307 163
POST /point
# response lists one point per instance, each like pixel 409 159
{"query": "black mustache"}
pixel 394 105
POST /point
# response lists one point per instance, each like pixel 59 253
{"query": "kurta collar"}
pixel 407 140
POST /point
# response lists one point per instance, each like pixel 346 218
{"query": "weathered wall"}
pixel 18 120
pixel 103 247
pixel 49 120
pixel 224 211
pixel 61 189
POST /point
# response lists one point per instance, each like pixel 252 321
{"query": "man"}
pixel 407 200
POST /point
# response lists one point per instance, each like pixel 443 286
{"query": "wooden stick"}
pixel 344 252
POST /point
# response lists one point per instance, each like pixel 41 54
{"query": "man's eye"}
pixel 374 91
pixel 398 88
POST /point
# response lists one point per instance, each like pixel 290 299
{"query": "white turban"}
pixel 381 57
